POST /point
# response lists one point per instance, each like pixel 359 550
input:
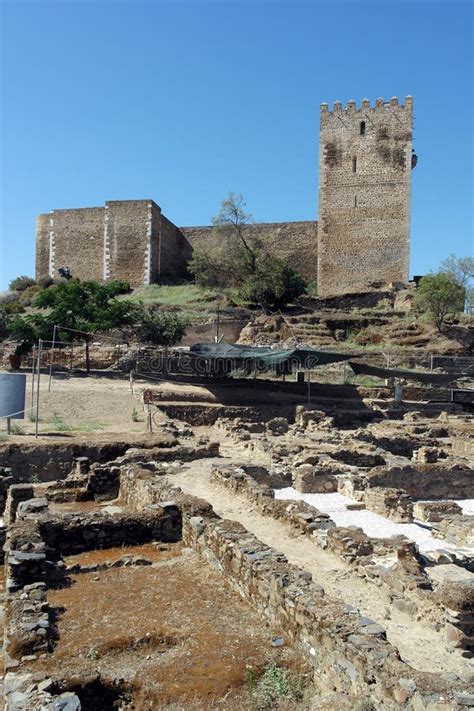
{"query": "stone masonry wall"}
pixel 126 239
pixel 76 241
pixel 364 195
pixel 175 250
pixel 129 239
pixel 42 245
pixel 295 242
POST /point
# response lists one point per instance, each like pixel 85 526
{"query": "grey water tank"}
pixel 12 395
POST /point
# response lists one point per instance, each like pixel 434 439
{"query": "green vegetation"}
pixel 276 684
pixel 21 283
pixel 16 429
pixel 181 296
pixel 160 327
pixel 237 258
pixel 60 424
pixel 439 295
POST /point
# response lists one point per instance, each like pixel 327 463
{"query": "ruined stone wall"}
pixel 364 195
pixel 295 242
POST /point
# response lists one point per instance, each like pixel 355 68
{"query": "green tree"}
pixel 237 257
pixel 21 283
pixel 233 250
pixel 159 327
pixel 273 285
pixel 80 309
pixel 441 296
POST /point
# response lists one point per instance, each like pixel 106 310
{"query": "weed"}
pixel 273 685
pixel 34 478
pixel 88 426
pixel 3 436
pixel 135 417
pixel 92 653
pixel 17 429
pixel 59 423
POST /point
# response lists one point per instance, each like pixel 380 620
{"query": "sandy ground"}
pixel 78 405
pixel 419 644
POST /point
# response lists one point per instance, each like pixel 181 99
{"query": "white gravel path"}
pixel 371 523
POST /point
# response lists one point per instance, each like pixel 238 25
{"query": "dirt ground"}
pixel 173 632
pixel 78 406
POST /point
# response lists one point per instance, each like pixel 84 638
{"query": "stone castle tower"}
pixel 365 162
pixel 360 240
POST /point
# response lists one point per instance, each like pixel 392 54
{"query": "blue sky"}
pixel 184 101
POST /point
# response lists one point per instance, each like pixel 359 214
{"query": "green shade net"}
pixel 240 356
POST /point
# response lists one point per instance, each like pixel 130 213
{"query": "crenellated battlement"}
pixel 380 103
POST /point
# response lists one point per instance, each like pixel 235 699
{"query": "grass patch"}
pixel 182 297
pixel 16 429
pixel 60 424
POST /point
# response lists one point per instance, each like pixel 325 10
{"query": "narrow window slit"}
pixel 362 128
pixel 354 165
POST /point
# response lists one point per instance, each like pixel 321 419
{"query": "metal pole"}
pixel 9 428
pixel 33 373
pixel 52 358
pixel 309 387
pixel 40 345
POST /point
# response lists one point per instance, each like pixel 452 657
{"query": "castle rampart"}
pixel 361 239
pixel 126 239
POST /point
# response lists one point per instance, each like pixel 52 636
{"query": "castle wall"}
pixel 364 195
pixel 174 249
pixel 42 245
pixel 76 241
pixel 295 242
pixel 129 233
pixel 361 239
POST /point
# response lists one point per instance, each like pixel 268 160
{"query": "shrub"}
pixel 9 297
pixel 160 327
pixel 273 285
pixel 440 296
pixel 21 283
pixel 273 685
pixel 29 294
pixel 45 282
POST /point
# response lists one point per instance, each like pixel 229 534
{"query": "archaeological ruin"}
pixel 245 538
pixel 361 239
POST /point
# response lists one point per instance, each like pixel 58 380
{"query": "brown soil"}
pixel 176 635
pixel 156 552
